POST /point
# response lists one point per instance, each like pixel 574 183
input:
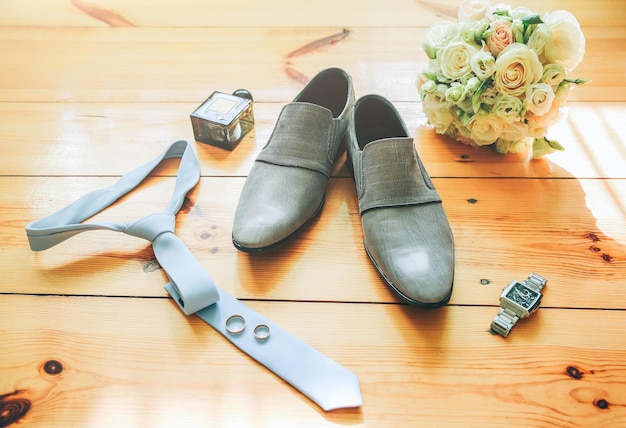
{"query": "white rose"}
pixel 454 59
pixel 539 98
pixel 473 10
pixel 553 74
pixel 539 37
pixel 472 84
pixel 483 64
pixel 509 108
pixel 441 120
pixel 496 11
pixel 433 72
pixel 438 36
pixel 521 12
pixel 485 128
pixel 427 86
pixel 474 31
pixel 508 146
pixel 437 109
pixel 518 30
pixel 514 131
pixel 517 67
pixel 538 125
pixel 566 44
pixel 489 95
pixel 455 93
pixel 563 91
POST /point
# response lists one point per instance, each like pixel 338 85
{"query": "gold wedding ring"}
pixel 235 324
pixel 262 332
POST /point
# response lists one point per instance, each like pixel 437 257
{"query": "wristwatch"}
pixel 518 300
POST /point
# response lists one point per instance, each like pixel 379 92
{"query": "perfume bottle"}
pixel 223 120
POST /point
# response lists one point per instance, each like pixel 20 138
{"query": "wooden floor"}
pixel 90 89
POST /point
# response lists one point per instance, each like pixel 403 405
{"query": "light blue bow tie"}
pixel 321 379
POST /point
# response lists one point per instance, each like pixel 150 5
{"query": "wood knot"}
pixel 592 236
pixel 574 372
pixel 601 403
pixel 12 409
pixel 187 206
pixel 53 367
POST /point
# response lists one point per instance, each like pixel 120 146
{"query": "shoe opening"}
pixel 329 89
pixel 376 119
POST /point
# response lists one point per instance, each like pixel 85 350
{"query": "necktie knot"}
pixel 151 226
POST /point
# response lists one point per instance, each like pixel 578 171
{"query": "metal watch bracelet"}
pixel 506 318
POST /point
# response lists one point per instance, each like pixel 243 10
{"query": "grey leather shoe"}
pixel 405 229
pixel 286 185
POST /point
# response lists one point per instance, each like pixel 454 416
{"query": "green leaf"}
pixel 543 146
pixel 579 81
pixel 476 96
pixel 502 13
pixel 555 144
pixel 532 19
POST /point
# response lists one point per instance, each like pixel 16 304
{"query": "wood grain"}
pixel 159 365
pixel 90 89
pixel 276 13
pixel 178 64
pixel 503 230
pixel 104 139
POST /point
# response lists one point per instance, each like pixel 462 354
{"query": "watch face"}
pixel 523 296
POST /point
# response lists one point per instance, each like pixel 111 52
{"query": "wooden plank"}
pixel 504 229
pixel 275 13
pixel 179 64
pixel 92 88
pixel 102 139
pixel 114 362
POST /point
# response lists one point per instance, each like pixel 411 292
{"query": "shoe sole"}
pixel 412 301
pixel 256 250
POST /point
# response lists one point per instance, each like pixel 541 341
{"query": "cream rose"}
pixel 539 98
pixel 517 67
pixel 501 37
pixel 485 128
pixel 454 60
pixel 566 44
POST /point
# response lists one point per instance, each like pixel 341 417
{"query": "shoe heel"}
pixel 348 160
pixel 350 167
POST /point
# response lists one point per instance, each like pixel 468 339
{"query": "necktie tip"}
pixel 342 399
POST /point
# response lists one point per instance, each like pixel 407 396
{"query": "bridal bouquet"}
pixel 499 76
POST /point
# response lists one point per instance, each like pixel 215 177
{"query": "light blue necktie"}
pixel 318 377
